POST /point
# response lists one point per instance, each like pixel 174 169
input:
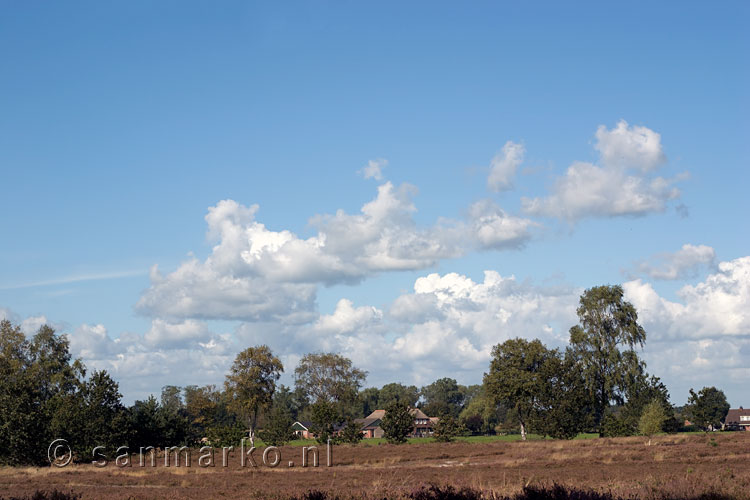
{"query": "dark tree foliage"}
pixel 614 426
pixel 277 429
pixel 351 433
pixel 481 415
pixel 474 424
pixel 446 429
pixel 19 396
pixel 707 408
pixel 643 390
pixel 293 401
pixel 44 396
pixel 205 408
pixel 397 392
pixel 516 379
pixel 443 397
pixel 146 425
pixel 563 406
pixel 105 420
pixel 173 416
pixel 324 416
pixel 226 434
pixel 397 423
pixel 368 400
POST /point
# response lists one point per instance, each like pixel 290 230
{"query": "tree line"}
pixel 597 383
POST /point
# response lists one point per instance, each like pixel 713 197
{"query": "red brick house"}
pixel 370 427
pixel 737 420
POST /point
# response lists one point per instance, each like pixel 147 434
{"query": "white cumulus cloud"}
pixel 684 263
pixel 716 307
pixel 620 186
pixel 504 165
pixel 630 147
pixel 374 169
pixel 258 274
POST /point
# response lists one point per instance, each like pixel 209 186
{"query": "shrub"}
pixel 225 435
pixel 613 426
pixel 351 433
pixel 446 429
pixel 44 495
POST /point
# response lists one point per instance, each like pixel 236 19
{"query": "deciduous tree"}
pixel 708 407
pixel 250 384
pixel 443 397
pixel 515 379
pixel 563 405
pixel 604 342
pixel 398 392
pixel 328 377
pixel 652 420
pixel 368 400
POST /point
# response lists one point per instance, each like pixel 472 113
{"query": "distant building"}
pixel 423 425
pixel 370 427
pixel 302 430
pixel 737 420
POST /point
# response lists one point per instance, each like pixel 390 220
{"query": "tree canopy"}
pixel 652 419
pixel 443 397
pixel 516 379
pixel 708 407
pixel 328 377
pixel 604 344
pixel 251 383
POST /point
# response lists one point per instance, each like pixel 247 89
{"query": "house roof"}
pixel 417 413
pixel 376 414
pixel 301 426
pixel 368 423
pixel 733 417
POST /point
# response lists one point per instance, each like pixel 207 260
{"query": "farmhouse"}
pixel 423 425
pixel 371 425
pixel 737 420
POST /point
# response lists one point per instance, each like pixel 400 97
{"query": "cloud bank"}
pixel 621 185
pixel 265 281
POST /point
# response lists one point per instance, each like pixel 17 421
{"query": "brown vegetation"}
pixel 675 466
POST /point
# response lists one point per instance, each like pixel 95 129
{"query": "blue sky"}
pixel 122 124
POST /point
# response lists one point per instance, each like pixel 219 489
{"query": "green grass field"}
pixel 467 439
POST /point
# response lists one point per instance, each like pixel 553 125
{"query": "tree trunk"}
pixel 252 423
pixel 523 432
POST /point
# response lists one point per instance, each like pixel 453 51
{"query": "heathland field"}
pixel 675 466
